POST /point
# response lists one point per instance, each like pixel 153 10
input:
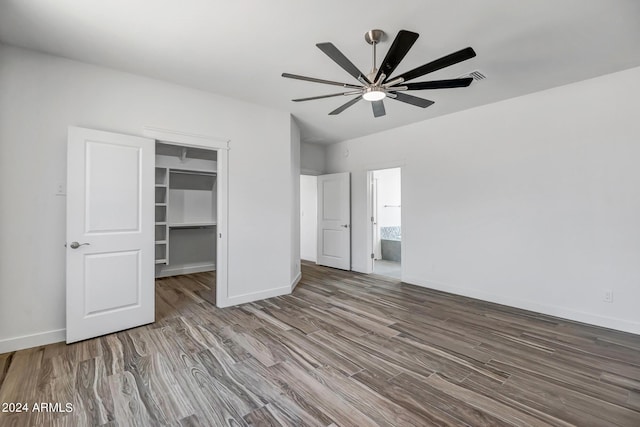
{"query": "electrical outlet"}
pixel 608 295
pixel 60 189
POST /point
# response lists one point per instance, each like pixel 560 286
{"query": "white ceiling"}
pixel 240 48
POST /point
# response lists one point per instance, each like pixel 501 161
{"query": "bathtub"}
pixel 390 241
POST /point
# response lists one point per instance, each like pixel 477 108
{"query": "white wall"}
pixel 294 221
pixel 308 217
pixel 532 202
pixel 41 95
pixel 312 159
pixel 389 194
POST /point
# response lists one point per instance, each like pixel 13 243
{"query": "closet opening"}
pixel 186 213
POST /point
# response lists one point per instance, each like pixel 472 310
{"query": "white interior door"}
pixel 110 233
pixel 334 220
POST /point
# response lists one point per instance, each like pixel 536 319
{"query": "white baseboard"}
pixel 44 338
pixel 360 268
pixel 269 293
pixel 254 296
pixel 551 310
pixel 363 268
pixel 175 271
pixel 33 340
pixel 296 280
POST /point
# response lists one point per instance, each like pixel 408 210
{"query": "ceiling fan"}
pixel 378 85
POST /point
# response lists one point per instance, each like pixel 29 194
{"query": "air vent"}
pixel 475 75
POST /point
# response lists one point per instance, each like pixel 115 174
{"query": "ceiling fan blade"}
pixel 439 84
pixel 343 107
pixel 313 79
pixel 413 100
pixel 327 96
pixel 399 48
pixel 332 52
pixel 378 108
pixel 445 61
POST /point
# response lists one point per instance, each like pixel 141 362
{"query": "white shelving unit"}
pixel 186 200
pixel 161 231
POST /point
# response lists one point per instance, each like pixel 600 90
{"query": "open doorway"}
pixel 186 215
pixel 386 220
pixel 191 212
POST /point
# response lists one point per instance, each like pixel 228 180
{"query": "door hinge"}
pixel 371 256
pixel 372 219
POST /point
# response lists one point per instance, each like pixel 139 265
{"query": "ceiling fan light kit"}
pixel 377 85
pixel 374 94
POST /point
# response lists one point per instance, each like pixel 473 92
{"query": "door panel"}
pixel 332 206
pixel 334 220
pixel 110 233
pixel 333 243
pixel 113 187
pixel 112 281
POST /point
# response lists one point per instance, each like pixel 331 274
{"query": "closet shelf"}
pixel 161 261
pixel 191 224
pixel 161 186
pixel 161 242
pixel 161 223
pixel 193 171
pixel 161 204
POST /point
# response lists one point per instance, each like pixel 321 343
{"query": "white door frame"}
pixel 374 220
pixel 221 146
pixel 369 197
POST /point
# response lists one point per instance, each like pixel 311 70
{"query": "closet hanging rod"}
pixel 190 227
pixel 191 172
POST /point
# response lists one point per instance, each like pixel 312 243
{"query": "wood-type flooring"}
pixel 345 349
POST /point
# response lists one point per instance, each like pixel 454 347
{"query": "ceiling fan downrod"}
pixel 374 91
pixel 373 37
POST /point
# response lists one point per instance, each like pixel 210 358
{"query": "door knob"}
pixel 76 245
pixel 345 225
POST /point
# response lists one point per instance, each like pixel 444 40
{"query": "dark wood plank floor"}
pixel 343 350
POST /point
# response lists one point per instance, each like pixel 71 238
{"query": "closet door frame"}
pixel 221 146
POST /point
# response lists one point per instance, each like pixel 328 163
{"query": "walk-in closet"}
pixel 185 210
